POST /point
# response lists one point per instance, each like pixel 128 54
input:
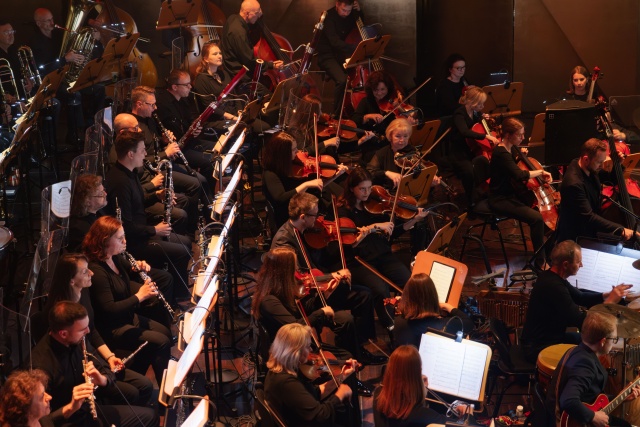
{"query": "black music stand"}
pixel 504 100
pixel 367 51
pixel 177 14
pixel 107 67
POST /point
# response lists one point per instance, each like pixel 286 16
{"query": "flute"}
pixel 91 399
pixel 129 357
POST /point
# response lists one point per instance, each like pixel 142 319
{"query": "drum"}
pixel 548 360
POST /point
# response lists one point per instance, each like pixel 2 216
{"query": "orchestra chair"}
pixel 511 364
pixel 261 355
pixel 266 416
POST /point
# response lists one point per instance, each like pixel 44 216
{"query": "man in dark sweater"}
pixel 555 304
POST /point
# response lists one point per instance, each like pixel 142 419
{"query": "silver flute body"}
pixel 91 399
pixel 129 357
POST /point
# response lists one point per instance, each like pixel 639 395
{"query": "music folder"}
pixel 448 275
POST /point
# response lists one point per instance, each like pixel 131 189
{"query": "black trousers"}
pixel 130 388
pixel 514 208
pixel 336 71
pixel 358 300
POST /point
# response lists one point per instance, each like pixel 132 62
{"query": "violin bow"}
pixel 315 142
pixel 316 341
pixel 306 260
pixel 344 97
pixel 334 204
pixel 393 209
pixel 413 92
pixel 377 273
pixel 424 154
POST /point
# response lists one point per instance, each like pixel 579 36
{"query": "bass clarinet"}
pixel 171 139
pixel 91 399
pixel 145 277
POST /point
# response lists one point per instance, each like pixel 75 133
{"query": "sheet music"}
pixel 61 199
pixel 454 368
pixel 442 276
pixel 602 270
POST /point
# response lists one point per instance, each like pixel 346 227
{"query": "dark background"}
pixel 535 41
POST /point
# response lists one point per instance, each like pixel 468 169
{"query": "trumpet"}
pixel 29 69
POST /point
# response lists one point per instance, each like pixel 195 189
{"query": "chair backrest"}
pixel 501 337
pixel 265 414
pixel 262 347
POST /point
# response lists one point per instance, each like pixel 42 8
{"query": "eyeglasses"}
pixel 45 20
pixel 183 84
pixel 460 68
pixel 149 103
pixel 613 339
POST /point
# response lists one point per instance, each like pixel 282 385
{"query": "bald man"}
pixel 46 42
pixel 237 48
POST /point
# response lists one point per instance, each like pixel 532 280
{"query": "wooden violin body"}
pixel 381 201
pixel 305 165
pixel 325 231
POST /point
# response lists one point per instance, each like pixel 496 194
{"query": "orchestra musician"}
pixel 333 47
pixel 71 282
pixel 580 377
pixel 555 303
pixel 504 171
pixel 88 198
pixel 9 51
pixel 117 302
pixel 59 354
pixel 400 400
pixel 581 203
pixel 236 45
pixel 294 397
pixel 421 309
pixel 24 401
pixel 579 84
pixel 463 159
pixel 450 89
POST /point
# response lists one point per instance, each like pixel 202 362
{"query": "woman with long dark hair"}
pixel 580 84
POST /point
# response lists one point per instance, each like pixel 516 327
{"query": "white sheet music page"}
pixel 442 276
pixel 602 270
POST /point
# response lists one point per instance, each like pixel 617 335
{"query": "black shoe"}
pixel 366 358
pixel 363 389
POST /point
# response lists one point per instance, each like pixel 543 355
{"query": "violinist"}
pixel 303 212
pixel 334 46
pixel 373 244
pixel 504 170
pixel 421 309
pixel 277 161
pixel 581 202
pixel 463 159
pixel 450 89
pixel 236 44
pixel 296 400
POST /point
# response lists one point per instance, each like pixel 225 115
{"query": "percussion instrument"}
pixel 548 360
pixel 6 237
pixel 628 319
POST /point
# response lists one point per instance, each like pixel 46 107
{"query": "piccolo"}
pixel 129 357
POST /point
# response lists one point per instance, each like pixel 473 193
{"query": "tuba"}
pixel 83 44
pixel 78 11
pixel 29 70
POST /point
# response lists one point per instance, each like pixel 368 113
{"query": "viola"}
pixel 324 231
pixel 381 201
pixel 482 147
pixel 547 198
pixel 305 165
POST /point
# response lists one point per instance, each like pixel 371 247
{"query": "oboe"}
pixel 118 211
pixel 87 378
pixel 129 357
pixel 168 189
pixel 145 277
pixel 171 139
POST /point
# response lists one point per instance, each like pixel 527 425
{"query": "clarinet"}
pixel 166 134
pixel 118 211
pixel 129 357
pixel 91 399
pixel 145 277
pixel 149 167
pixel 168 189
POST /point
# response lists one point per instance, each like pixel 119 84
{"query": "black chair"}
pixel 511 363
pixel 266 416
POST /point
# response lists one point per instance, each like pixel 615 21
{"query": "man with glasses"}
pixel 580 377
pixel 237 47
pixel 555 303
pixel 9 51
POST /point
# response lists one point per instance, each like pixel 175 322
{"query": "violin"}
pixel 305 165
pixel 324 231
pixel 399 108
pixel 348 128
pixel 381 201
pixel 306 281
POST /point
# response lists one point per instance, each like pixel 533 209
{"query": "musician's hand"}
pixel 635 393
pixel 10 99
pixel 600 419
pixel 422 213
pixel 377 118
pixel 627 233
pixel 524 150
pixel 367 136
pixel 412 120
pixel 28 85
pixel 115 364
pixel 80 393
pixel 71 56
pixel 436 181
pixel 163 229
pixel 446 307
pixel 96 376
pixel 314 183
pixel 393 176
pixel 342 169
pixel 328 311
pixel 332 142
pixel 616 294
pixel 343 274
pixel 333 284
pixel 344 392
pixel 142 265
pixel 387 227
pixel 619 136
pixel 356 5
pixel 493 139
pixel 157 180
pixel 546 176
pixel 349 367
pixel 278 65
pixel 197 131
pixel 171 150
pixel 146 291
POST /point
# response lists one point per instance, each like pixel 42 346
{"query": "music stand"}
pixel 367 51
pixel 504 101
pixel 48 88
pixel 630 163
pixel 447 274
pixel 178 14
pixel 442 240
pixel 223 197
pixel 418 185
pixel 538 131
pixel 107 67
pixel 424 135
pixel 279 97
pixel 198 315
pixel 199 416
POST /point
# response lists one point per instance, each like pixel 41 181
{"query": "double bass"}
pixel 209 17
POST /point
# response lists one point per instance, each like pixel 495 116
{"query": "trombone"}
pixel 6 77
pixel 29 69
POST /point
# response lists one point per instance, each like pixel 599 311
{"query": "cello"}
pixel 116 21
pixel 209 17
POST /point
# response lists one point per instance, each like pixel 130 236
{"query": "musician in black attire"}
pixel 60 356
pixel 582 377
pixel 9 51
pixel 236 45
pixel 504 171
pixel 581 200
pixel 145 241
pixel 450 89
pixel 333 49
